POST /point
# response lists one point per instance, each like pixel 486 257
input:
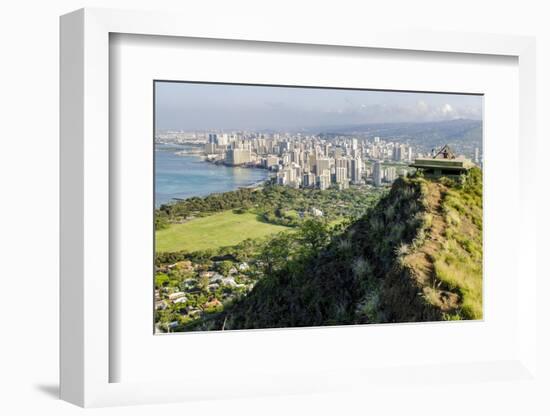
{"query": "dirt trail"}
pixel 421 261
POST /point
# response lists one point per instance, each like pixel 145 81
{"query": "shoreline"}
pixel 222 163
pixel 253 183
pixel 204 157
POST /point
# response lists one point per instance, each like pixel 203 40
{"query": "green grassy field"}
pixel 218 230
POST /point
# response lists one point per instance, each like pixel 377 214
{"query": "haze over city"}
pixel 195 106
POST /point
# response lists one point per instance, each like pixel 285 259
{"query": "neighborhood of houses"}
pixel 185 291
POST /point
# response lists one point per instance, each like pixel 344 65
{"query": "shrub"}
pixel 360 267
pixel 161 280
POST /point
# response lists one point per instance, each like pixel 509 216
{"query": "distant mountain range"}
pixel 462 135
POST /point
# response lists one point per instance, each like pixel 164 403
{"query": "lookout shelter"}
pixel 443 163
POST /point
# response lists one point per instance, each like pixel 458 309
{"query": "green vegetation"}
pixel 279 205
pixel 328 276
pixel 212 251
pixel 408 255
pixel 217 230
pixel 459 264
pixel 446 268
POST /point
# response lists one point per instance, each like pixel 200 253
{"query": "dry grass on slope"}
pixel 447 265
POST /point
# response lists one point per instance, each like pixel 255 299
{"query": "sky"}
pixel 193 107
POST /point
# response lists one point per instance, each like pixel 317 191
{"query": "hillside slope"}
pixel 415 256
pixel 445 270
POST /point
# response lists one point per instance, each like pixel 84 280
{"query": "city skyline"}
pixel 201 106
pixel 260 224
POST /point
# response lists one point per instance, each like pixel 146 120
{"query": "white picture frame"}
pixel 86 355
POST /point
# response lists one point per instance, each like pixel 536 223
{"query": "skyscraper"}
pixel 323 180
pixel 341 175
pixel 235 157
pixel 210 148
pixel 308 180
pixel 377 174
pixel 322 165
pixel 396 152
pixel 222 139
pixel 356 170
pixel 282 177
pixel 390 174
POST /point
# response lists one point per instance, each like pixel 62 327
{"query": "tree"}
pixel 314 235
pixel 161 221
pixel 276 252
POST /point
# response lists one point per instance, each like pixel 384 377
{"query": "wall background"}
pixel 29 116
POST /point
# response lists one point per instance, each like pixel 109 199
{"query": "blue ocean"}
pixel 185 176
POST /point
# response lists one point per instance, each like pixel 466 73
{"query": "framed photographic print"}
pixel 307 213
pixel 287 206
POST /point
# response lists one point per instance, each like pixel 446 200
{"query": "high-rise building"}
pixel 210 148
pixel 341 175
pixel 356 170
pixel 340 163
pixel 476 155
pixel 399 152
pixel 284 146
pixel 375 152
pixel 322 165
pixel 286 158
pixel 308 180
pixel 235 157
pixel 389 174
pixel 297 172
pixel 282 177
pixel 377 174
pixel 222 139
pixel 396 153
pixel 271 161
pixel 323 180
pixel 291 174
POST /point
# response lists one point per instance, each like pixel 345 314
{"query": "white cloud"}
pixel 447 109
pixel 422 107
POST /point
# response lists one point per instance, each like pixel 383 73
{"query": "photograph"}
pixel 282 206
